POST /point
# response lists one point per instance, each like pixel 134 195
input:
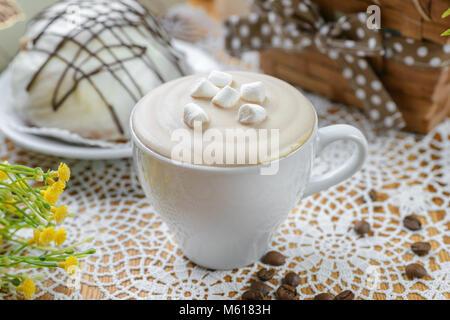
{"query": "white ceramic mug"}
pixel 225 217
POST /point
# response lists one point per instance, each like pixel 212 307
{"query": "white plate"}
pixel 200 62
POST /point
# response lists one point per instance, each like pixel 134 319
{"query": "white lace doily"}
pixel 137 258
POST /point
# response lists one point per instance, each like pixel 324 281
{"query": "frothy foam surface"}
pixel 158 117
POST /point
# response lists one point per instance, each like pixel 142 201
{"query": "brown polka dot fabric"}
pixel 296 24
pixel 417 53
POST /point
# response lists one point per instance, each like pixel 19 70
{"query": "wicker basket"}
pixel 416 19
pixel 422 94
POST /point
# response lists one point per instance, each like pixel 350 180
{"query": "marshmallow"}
pixel 220 79
pixel 192 113
pixel 226 97
pixel 251 114
pixel 253 92
pixel 204 89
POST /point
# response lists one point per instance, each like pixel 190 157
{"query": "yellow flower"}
pixel 70 265
pixel 21 184
pixel 3 176
pixel 51 195
pixel 35 239
pixel 63 172
pixel 49 181
pixel 36 235
pixel 47 236
pixel 60 236
pixel 59 186
pixel 28 288
pixel 59 214
pixel 8 205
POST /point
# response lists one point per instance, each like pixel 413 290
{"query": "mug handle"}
pixel 328 135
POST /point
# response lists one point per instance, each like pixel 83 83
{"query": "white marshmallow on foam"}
pixel 227 97
pixel 193 113
pixel 220 79
pixel 253 92
pixel 251 114
pixel 204 89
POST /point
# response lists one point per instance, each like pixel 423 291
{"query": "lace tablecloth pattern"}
pixel 138 259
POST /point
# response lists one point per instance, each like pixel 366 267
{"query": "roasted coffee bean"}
pixel 362 227
pixel 345 295
pixel 373 195
pixel 274 258
pixel 265 274
pixel 286 292
pixel 415 270
pixel 291 279
pixel 421 248
pixel 261 287
pixel 412 223
pixel 324 296
pixel 252 295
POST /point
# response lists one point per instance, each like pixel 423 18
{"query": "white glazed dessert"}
pixel 269 104
pixel 85 64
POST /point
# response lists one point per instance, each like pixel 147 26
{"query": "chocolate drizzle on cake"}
pixel 87 21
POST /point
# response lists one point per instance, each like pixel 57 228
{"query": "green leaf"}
pixel 446 13
pixel 446 33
